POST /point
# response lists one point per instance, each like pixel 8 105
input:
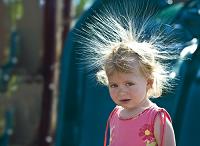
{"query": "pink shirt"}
pixel 136 131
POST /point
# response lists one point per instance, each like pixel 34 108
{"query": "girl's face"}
pixel 128 90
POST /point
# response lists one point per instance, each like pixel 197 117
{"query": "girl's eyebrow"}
pixel 111 82
pixel 128 80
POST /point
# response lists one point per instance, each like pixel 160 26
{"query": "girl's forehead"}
pixel 131 74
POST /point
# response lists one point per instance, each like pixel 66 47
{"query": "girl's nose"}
pixel 122 91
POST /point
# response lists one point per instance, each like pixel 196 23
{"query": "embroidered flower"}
pixel 147 133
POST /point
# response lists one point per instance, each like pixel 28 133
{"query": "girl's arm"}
pixel 168 137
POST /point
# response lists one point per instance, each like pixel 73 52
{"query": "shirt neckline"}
pixel 135 116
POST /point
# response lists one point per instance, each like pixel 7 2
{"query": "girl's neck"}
pixel 128 113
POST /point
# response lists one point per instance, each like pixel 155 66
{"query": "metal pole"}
pixel 44 134
pixel 66 18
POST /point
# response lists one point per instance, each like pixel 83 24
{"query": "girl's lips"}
pixel 125 100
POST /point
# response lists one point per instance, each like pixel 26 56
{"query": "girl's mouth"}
pixel 125 100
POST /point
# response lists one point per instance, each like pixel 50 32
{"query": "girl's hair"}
pixel 112 41
pixel 130 56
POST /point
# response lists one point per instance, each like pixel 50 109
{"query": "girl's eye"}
pixel 113 85
pixel 129 84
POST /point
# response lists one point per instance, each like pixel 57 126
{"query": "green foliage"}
pixel 81 7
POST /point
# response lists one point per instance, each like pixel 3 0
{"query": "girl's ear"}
pixel 150 83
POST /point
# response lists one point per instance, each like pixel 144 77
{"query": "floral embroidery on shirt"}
pixel 146 132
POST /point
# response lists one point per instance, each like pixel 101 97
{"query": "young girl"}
pixel 130 53
pixel 132 78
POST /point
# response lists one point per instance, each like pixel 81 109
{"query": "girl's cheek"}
pixel 113 94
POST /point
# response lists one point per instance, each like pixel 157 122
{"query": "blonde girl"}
pixel 130 53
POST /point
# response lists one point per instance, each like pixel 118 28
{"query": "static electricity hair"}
pixel 115 41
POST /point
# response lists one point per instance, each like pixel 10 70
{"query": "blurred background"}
pixel 46 100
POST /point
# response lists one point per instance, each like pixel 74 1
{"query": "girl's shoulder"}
pixel 114 112
pixel 161 112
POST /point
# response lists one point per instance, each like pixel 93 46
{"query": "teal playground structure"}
pixel 84 105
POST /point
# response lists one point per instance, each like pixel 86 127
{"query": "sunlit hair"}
pixel 115 42
pixel 129 57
